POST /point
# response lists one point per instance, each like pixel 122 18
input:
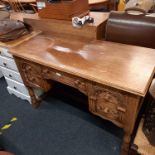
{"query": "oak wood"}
pixel 125 67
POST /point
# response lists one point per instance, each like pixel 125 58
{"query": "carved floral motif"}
pixel 108 103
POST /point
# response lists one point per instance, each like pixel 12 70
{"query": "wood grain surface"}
pixel 125 67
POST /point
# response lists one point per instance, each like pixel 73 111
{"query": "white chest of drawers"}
pixel 9 70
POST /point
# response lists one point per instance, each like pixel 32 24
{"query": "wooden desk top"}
pixel 125 67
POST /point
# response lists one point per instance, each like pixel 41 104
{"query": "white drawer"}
pixel 11 74
pixel 8 63
pixel 5 52
pixel 18 94
pixel 17 86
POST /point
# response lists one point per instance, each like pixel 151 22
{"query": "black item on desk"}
pixel 13 29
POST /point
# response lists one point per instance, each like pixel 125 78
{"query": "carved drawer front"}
pixel 32 74
pixel 108 104
pixel 65 78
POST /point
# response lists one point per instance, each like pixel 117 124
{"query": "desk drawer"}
pixel 19 94
pixel 31 75
pixel 65 78
pixel 109 104
pixel 5 52
pixel 11 74
pixel 17 86
pixel 8 63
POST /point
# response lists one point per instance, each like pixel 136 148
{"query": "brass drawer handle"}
pixel 121 109
pixel 58 74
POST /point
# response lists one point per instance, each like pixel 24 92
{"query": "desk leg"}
pixel 126 143
pixel 35 101
pixel 129 124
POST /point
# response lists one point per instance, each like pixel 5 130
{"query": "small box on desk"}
pixel 63 9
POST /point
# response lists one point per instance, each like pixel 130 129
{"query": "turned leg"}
pixel 133 150
pixel 129 122
pixel 35 101
pixel 126 144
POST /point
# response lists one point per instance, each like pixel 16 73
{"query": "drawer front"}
pixel 65 78
pixel 58 76
pixel 8 63
pixel 17 86
pixel 5 52
pixel 108 104
pixel 11 74
pixel 19 94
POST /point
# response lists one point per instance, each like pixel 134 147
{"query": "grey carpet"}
pixel 62 125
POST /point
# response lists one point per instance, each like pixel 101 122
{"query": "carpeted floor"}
pixel 60 126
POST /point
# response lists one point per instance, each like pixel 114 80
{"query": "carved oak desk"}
pixel 115 77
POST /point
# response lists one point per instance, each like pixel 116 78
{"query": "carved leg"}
pixel 133 150
pixel 126 143
pixel 130 119
pixel 35 101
